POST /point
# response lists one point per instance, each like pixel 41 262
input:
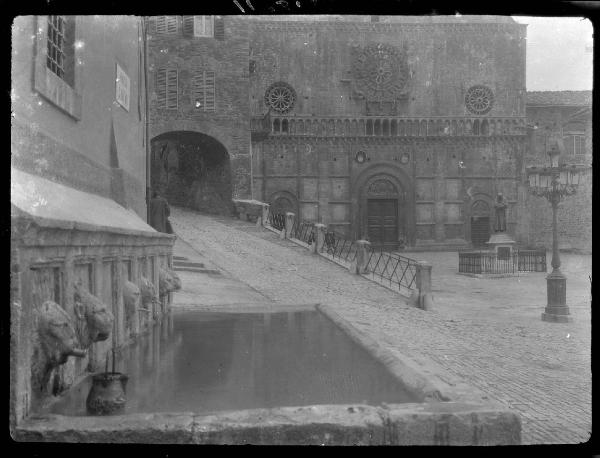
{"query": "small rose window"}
pixel 479 99
pixel 280 97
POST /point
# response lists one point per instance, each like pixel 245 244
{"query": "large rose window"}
pixel 280 97
pixel 380 72
pixel 479 99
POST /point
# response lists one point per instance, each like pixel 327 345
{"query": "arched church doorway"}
pixel 385 211
pixel 192 170
pixel 282 202
pixel 480 223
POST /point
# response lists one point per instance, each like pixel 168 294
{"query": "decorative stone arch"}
pixel 283 201
pixel 405 194
pixel 199 127
pixel 194 170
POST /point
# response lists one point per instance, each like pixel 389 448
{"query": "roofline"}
pixel 539 105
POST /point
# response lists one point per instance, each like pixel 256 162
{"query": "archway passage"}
pixel 192 170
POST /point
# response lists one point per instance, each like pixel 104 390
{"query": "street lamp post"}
pixel 555 183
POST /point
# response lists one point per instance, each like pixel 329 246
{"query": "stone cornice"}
pixel 303 27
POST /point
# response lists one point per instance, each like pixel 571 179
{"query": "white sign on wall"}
pixel 122 88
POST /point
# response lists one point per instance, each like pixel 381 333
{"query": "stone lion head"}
pixel 168 281
pixel 56 334
pixel 94 319
pixel 148 293
pixel 131 298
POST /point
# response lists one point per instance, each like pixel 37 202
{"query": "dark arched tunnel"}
pixel 192 170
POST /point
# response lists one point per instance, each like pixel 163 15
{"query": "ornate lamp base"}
pixel 557 310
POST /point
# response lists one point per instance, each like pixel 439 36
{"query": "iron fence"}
pixel 304 231
pixel 393 268
pixel 276 220
pixel 338 246
pixel 482 262
pixel 532 261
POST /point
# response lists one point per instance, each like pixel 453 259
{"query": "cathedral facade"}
pixel 401 131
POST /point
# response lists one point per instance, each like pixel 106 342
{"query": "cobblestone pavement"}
pixel 487 332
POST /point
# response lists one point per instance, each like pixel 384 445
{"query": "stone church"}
pixel 401 130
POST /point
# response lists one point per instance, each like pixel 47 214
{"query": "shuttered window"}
pixel 204 26
pixel 204 90
pixel 167 88
pixel 166 24
pixel 219 27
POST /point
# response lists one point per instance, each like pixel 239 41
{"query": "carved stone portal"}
pixel 382 188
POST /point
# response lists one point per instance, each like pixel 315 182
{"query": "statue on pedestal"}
pixel 500 207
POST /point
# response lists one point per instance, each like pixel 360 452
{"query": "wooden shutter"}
pixel 161 88
pixel 209 91
pixel 204 90
pixel 172 89
pixel 188 26
pixel 167 88
pixel 166 24
pixel 219 30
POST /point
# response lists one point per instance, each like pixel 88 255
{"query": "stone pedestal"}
pixel 317 246
pixel 557 310
pixel 502 245
pixel 359 265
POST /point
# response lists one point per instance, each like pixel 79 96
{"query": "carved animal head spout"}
pixel 148 293
pixel 131 298
pixel 54 340
pixel 94 319
pixel 168 281
pixel 56 334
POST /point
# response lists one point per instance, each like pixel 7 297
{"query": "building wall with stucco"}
pixel 78 134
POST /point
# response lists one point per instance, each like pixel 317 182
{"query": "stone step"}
pixel 179 258
pixel 188 264
pixel 196 270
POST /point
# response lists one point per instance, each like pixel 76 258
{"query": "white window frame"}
pixel 200 26
pixel 572 138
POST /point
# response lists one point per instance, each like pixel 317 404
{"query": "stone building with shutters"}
pixel 199 110
pixel 398 129
pixel 566 115
pixel 78 202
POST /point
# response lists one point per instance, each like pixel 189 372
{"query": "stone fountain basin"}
pixel 453 413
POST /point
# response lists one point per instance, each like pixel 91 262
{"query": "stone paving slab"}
pixel 487 332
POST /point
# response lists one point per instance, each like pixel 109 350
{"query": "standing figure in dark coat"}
pixel 159 212
pixel 500 206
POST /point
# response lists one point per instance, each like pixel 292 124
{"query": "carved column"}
pixel 439 184
pixel 135 278
pixel 119 314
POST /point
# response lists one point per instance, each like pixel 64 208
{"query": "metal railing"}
pixel 393 268
pixel 338 246
pixel 304 231
pixel 532 261
pixel 276 220
pixel 482 262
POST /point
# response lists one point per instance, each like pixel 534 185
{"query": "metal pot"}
pixel 107 395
